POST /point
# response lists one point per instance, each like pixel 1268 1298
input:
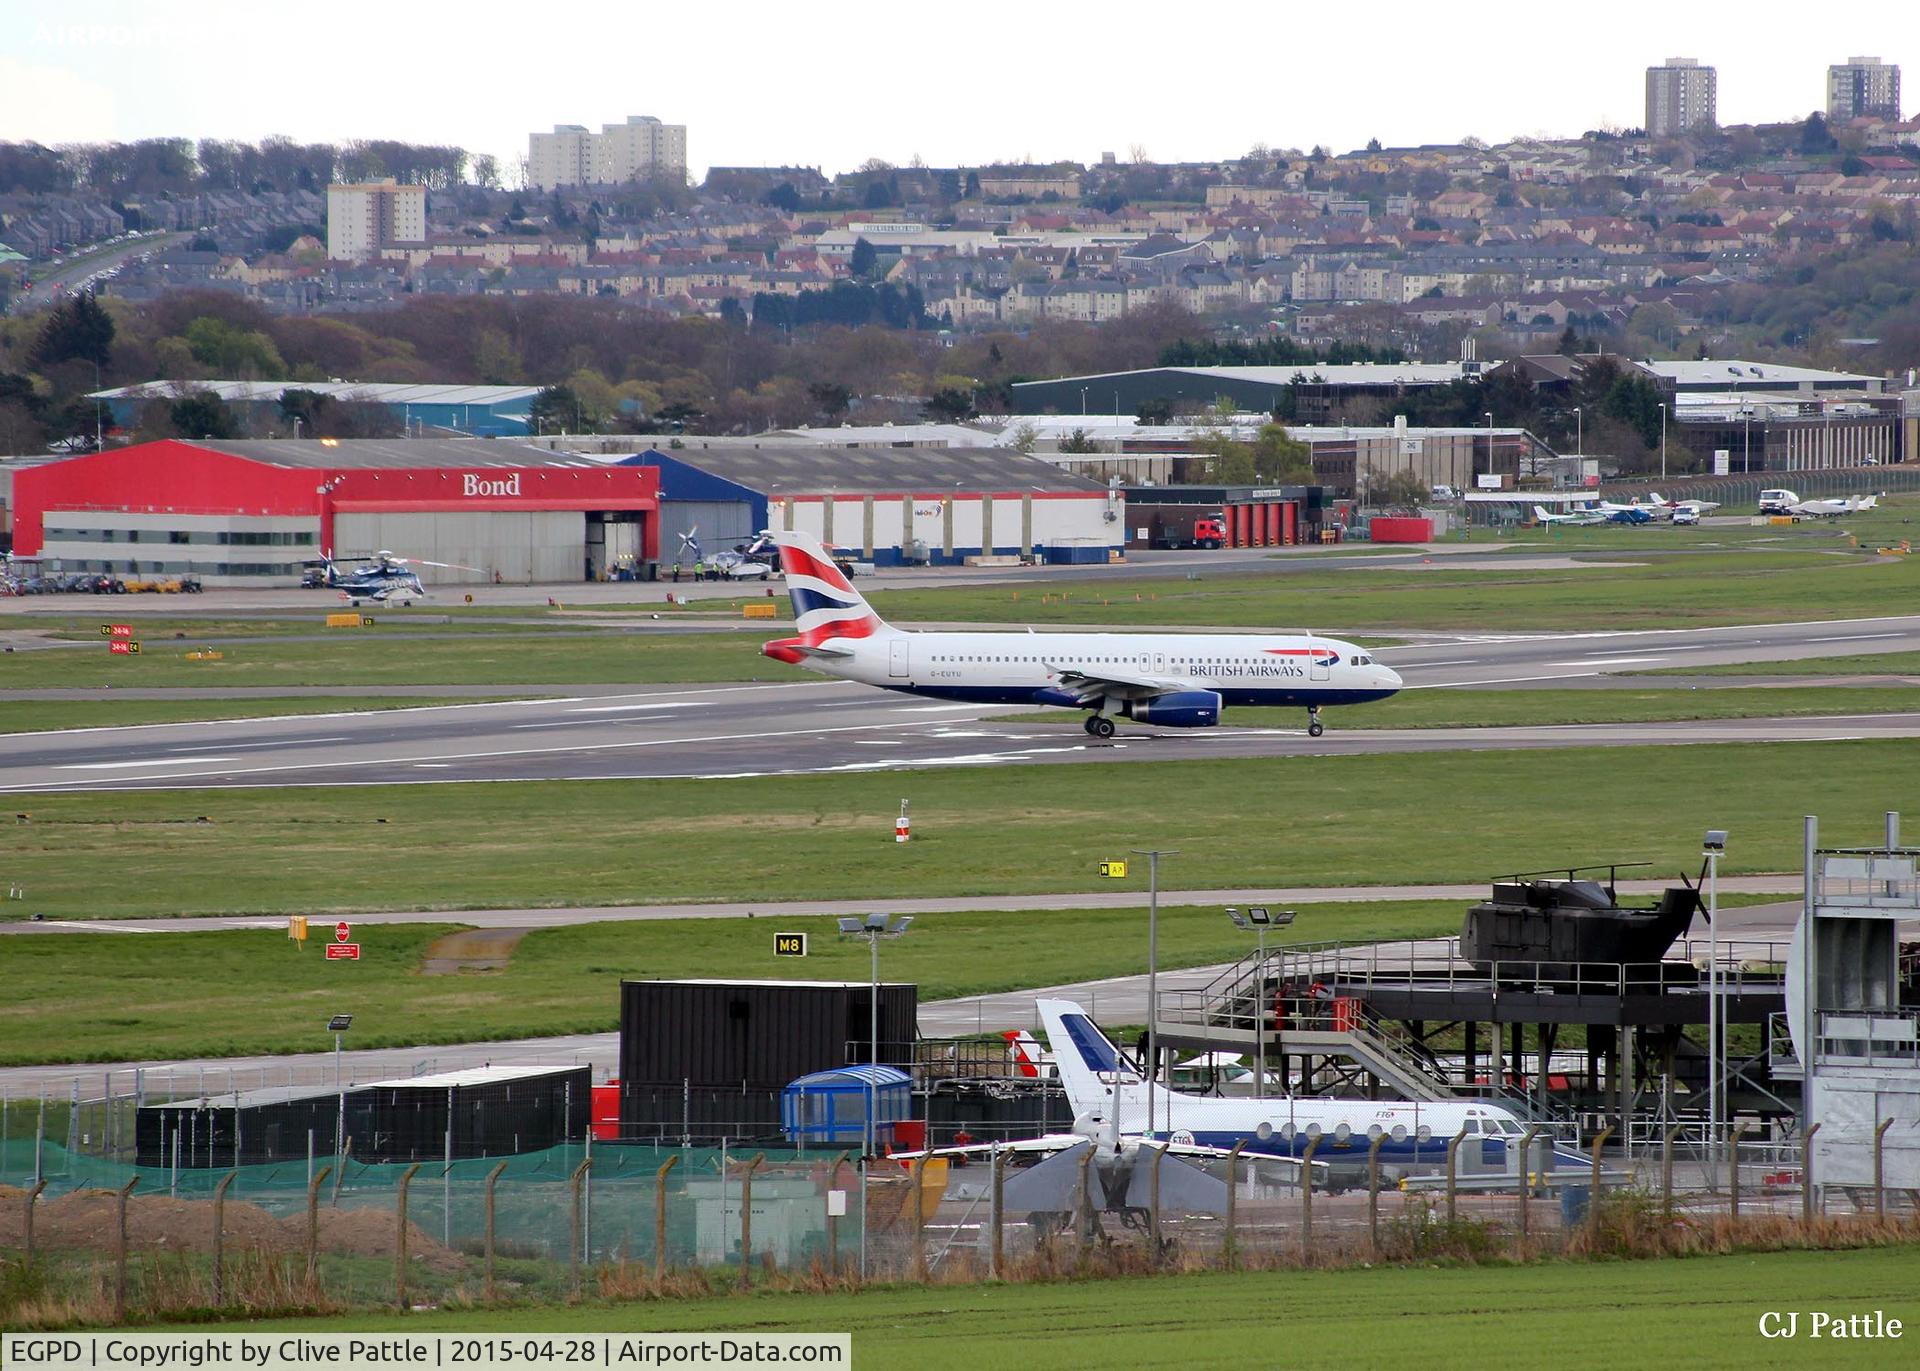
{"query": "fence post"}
pixel 1373 1190
pixel 400 1239
pixel 1666 1169
pixel 120 1252
pixel 1232 1252
pixel 917 1197
pixel 1453 1170
pixel 573 1238
pixel 313 1225
pixel 660 1216
pixel 1879 1172
pixel 1153 1202
pixel 997 1179
pixel 1083 1206
pixel 340 1176
pixel 1306 1197
pixel 33 1199
pixel 220 1237
pixel 746 1218
pixel 1593 1185
pixel 1806 1174
pixel 487 1241
pixel 1733 1170
pixel 1527 1141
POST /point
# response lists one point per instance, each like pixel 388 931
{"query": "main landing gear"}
pixel 1099 725
pixel 1314 727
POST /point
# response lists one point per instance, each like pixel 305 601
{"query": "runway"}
pixel 811 726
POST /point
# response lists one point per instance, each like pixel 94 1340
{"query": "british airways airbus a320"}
pixel 1177 680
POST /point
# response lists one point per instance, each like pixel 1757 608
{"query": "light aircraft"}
pixel 1178 680
pixel 384 580
pixel 1575 518
pixel 1652 509
pixel 1697 506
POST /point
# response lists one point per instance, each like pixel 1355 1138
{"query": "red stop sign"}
pixel 341 931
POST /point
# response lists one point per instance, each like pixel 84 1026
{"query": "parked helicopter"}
pixel 754 560
pixel 385 579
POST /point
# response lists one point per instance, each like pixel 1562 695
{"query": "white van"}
pixel 1777 501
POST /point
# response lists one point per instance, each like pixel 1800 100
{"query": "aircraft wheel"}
pixel 1315 728
pixel 1100 726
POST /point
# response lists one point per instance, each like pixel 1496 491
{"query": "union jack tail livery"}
pixel 826 607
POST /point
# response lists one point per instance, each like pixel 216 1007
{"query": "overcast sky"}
pixel 830 86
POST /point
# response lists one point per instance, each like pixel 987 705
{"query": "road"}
pixel 1115 1000
pixel 78 272
pixel 813 726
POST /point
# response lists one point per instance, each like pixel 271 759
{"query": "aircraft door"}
pixel 1159 663
pixel 897 662
pixel 1317 663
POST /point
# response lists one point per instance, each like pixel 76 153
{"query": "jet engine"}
pixel 1181 709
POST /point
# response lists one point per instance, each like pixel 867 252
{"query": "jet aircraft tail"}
pixel 825 604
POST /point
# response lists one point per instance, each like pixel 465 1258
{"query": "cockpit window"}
pixel 1509 1126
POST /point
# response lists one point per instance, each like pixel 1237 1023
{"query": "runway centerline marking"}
pixel 157 761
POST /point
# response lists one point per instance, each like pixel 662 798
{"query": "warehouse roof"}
pixel 323 453
pixel 805 469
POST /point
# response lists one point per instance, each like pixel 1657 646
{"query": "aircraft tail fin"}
pixel 1540 513
pixel 825 604
pixel 1090 1065
pixel 1029 1059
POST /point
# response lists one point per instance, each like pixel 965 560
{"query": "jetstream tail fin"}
pixel 1090 1065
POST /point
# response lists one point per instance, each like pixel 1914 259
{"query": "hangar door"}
pixel 532 547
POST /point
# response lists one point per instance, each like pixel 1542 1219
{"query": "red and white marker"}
pixel 902 826
pixel 341 932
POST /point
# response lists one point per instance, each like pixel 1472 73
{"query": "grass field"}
pixel 1334 820
pixel 241 993
pixel 1600 592
pixel 366 657
pixel 1877 664
pixel 1697 1312
pixel 33 716
pixel 1496 708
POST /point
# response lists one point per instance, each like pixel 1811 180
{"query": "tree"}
pixel 830 399
pixel 1155 411
pixel 783 197
pixel 950 404
pixel 1079 441
pixel 202 414
pixel 1814 135
pixel 77 330
pixel 1401 490
pixel 1569 345
pixel 864 258
pixel 1373 145
pixel 556 408
pixel 1280 459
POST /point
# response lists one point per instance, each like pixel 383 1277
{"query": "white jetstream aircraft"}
pixel 1179 680
pixel 1832 509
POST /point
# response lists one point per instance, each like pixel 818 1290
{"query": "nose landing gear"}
pixel 1314 727
pixel 1099 726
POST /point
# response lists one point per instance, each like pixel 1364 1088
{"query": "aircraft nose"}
pixel 1389 678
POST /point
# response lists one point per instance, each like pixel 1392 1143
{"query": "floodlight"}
pixel 1239 919
pixel 902 925
pixel 1284 916
pixel 339 1023
pixel 1258 914
pixel 877 922
pixel 1716 840
pixel 851 925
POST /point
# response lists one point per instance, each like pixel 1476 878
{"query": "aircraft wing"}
pixel 1089 685
pixel 1046 1142
pixel 820 650
pixel 1222 1153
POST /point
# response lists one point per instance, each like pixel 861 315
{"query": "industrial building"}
pixel 892 506
pixel 251 511
pixel 416 410
pixel 1316 391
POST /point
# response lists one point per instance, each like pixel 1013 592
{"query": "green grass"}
pixel 34 716
pixel 1698 1312
pixel 1333 820
pixel 366 657
pixel 1668 592
pixel 1499 708
pixel 240 993
pixel 1876 664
